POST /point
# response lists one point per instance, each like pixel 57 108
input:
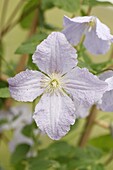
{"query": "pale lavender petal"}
pixel 105 75
pixel 94 44
pixel 107 99
pixel 75 20
pixel 108 78
pixel 110 83
pixel 54 114
pixel 102 31
pixel 55 54
pixel 107 102
pixel 83 85
pixel 73 30
pixel 26 86
pixel 82 108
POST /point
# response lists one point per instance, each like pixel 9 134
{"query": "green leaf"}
pixel 29 46
pixel 69 157
pixel 104 142
pixel 98 167
pixel 57 149
pixel 3 121
pixel 3 84
pixel 90 152
pixel 47 4
pixel 68 5
pixel 28 9
pixel 27 130
pixel 20 153
pixel 42 164
pixel 4 92
pixel 84 157
pixel 19 166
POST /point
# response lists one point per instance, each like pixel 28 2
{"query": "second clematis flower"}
pixel 107 99
pixel 97 35
pixel 65 89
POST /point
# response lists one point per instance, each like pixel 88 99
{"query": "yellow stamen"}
pixel 54 83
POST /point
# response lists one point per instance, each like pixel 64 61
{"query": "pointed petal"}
pixel 26 86
pixel 75 20
pixel 107 99
pixel 94 44
pixel 108 78
pixel 105 75
pixel 73 30
pixel 107 102
pixel 103 31
pixel 55 54
pixel 110 83
pixel 83 85
pixel 54 114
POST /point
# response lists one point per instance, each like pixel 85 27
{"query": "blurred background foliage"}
pixel 23 25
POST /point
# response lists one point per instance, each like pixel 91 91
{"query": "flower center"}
pixel 54 83
pixel 92 23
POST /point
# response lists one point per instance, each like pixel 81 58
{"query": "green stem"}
pixel 4 12
pixel 17 8
pixel 12 25
pixel 8 65
pixel 88 127
pixel 108 161
pixel 3 16
pixel 89 11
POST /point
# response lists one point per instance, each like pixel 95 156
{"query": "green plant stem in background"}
pixel 0 66
pixel 15 11
pixel 102 124
pixel 88 127
pixel 3 13
pixel 8 65
pixel 32 31
pixel 12 25
pixel 24 58
pixel 110 158
pixel 89 11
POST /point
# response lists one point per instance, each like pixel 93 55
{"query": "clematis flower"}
pixel 64 87
pixel 97 35
pixel 107 99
